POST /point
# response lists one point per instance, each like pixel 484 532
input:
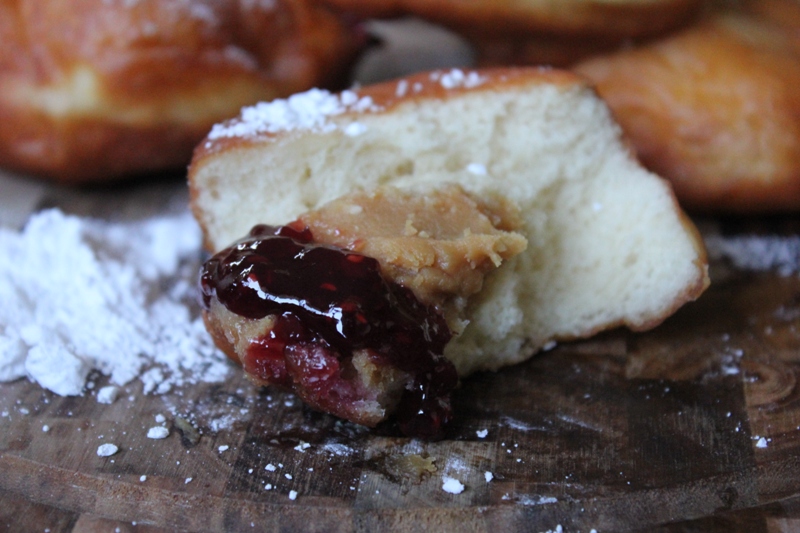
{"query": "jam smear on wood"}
pixel 330 302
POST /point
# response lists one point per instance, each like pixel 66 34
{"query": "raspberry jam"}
pixel 330 302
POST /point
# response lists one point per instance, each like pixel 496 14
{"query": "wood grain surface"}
pixel 693 426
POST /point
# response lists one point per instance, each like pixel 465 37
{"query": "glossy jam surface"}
pixel 329 303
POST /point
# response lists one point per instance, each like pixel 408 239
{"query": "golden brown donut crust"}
pixel 715 109
pixel 93 90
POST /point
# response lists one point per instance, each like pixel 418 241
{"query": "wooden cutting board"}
pixel 694 425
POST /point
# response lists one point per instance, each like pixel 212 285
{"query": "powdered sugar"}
pixel 755 252
pixel 354 129
pixel 107 394
pixel 457 78
pixel 79 294
pixel 308 110
pixel 536 500
pixel 452 485
pixel 477 169
pixel 313 109
pixel 107 450
pixel 157 432
pixel 402 88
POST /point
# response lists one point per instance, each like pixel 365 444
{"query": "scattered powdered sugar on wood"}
pixel 81 294
pixel 757 252
pixel 107 394
pixel 519 425
pixel 335 448
pixel 107 450
pixel 309 110
pixel 302 447
pixel 157 432
pixel 536 500
pixel 454 469
pixel 452 485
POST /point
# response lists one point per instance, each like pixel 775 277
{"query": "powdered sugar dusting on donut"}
pixel 458 78
pixel 309 110
pixel 402 88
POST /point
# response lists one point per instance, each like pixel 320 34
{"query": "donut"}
pixel 611 18
pixel 96 90
pixel 560 51
pixel 785 13
pixel 563 232
pixel 715 108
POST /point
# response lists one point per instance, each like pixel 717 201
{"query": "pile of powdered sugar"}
pixel 82 294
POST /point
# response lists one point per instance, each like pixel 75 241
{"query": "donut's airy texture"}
pixel 716 108
pixel 607 242
pixel 94 90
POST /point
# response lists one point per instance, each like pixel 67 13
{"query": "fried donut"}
pixel 607 244
pixel 94 90
pixel 545 50
pixel 611 18
pixel 785 13
pixel 715 109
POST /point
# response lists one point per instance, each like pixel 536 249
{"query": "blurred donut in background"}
pixel 716 107
pixel 611 18
pixel 99 90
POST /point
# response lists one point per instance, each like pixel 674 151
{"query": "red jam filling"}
pixel 330 302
